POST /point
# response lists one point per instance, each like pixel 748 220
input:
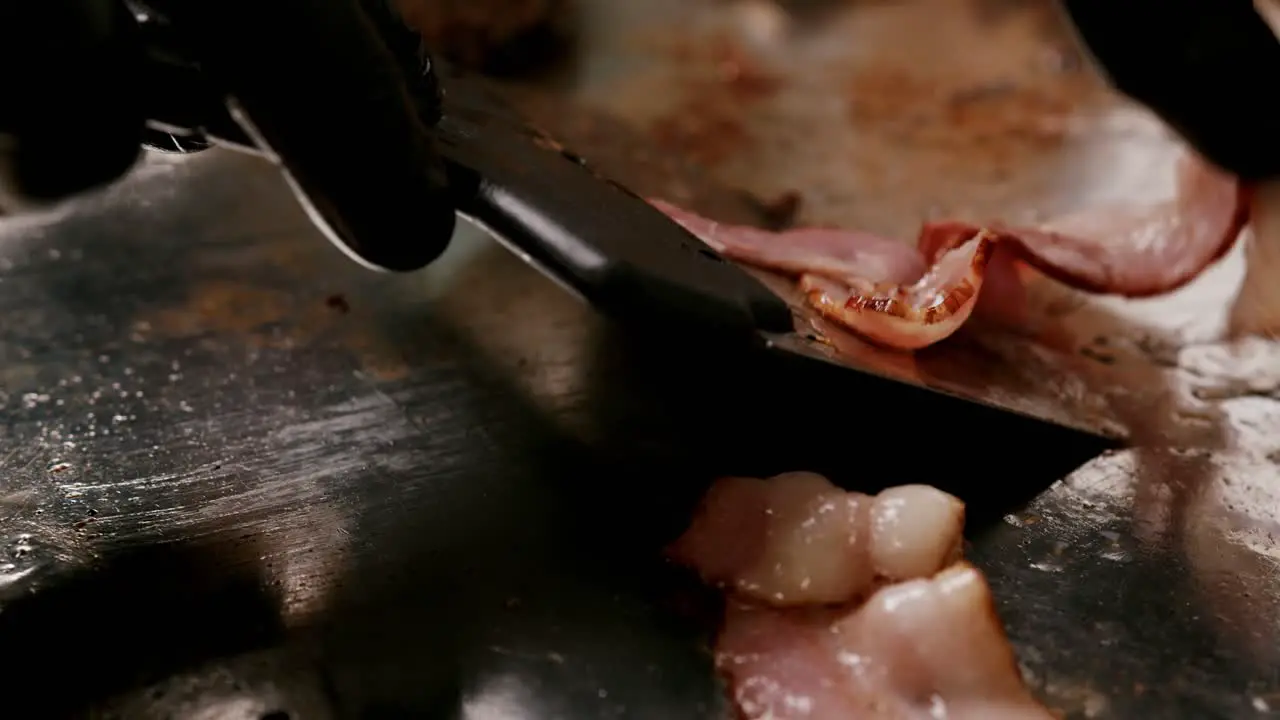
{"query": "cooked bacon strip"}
pixel 845 255
pixel 878 288
pixel 1130 251
pixel 908 317
pixel 910 298
pixel 923 649
pixel 796 539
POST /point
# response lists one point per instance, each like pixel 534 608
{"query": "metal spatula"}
pixel 594 237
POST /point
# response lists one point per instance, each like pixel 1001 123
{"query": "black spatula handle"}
pixel 590 233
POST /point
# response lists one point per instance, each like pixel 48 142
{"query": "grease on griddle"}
pixel 706 125
pixel 1099 351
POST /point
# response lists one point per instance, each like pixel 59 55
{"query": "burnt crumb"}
pixel 1159 352
pixel 779 213
pixel 338 302
pixel 1098 356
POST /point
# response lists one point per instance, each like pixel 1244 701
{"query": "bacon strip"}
pixel 912 316
pixel 845 255
pixel 923 649
pixel 799 556
pixel 1130 251
pixel 910 298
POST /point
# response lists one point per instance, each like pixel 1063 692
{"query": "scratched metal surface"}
pixel 241 478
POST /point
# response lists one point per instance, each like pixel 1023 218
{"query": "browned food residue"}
pixel 706 124
pixel 989 115
pixel 257 317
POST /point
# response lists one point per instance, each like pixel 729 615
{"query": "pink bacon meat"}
pixel 1131 251
pixel 910 298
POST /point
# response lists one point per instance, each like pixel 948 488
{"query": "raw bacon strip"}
pixel 929 648
pixel 796 539
pixel 1135 252
pixel 913 316
pixel 845 255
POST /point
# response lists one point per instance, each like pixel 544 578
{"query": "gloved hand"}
pixel 1206 67
pixel 323 87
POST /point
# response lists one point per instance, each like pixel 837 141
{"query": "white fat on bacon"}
pixel 842 605
pixel 925 649
pixel 797 539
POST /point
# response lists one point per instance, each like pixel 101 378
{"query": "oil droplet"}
pixel 10 574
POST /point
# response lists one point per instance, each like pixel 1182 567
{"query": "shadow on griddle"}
pixel 725 412
pixel 529 578
pixel 135 619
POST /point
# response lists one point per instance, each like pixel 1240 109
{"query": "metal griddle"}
pixel 246 478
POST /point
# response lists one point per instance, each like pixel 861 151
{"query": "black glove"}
pixel 1206 67
pixel 324 87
